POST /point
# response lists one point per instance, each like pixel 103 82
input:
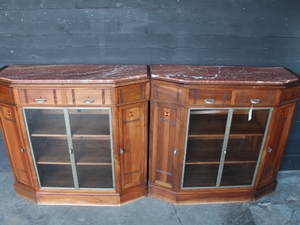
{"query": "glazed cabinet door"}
pixel 165 150
pixel 223 146
pixel 71 146
pixel 282 122
pixel 133 121
pixel 14 143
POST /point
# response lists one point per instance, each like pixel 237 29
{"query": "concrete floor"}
pixel 281 207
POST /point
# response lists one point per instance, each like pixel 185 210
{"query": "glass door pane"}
pixel 48 139
pixel 244 146
pixel 91 140
pixel 205 137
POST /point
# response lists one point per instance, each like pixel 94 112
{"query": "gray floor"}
pixel 281 207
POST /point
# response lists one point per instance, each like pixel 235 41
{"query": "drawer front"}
pixel 131 93
pixel 96 96
pixel 207 97
pixel 290 94
pixel 166 93
pixel 5 94
pixel 40 96
pixel 250 97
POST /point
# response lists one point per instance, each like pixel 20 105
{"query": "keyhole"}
pixel 131 114
pixel 167 114
pixel 9 113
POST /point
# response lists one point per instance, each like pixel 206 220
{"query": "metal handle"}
pixel 255 101
pixel 88 100
pixel 269 150
pixel 209 101
pixel 121 151
pixel 71 151
pixel 175 151
pixel 23 150
pixel 40 100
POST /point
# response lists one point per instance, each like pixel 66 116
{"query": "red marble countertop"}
pixel 73 73
pixel 191 74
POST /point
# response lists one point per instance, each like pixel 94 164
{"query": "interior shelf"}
pixel 200 175
pixel 206 175
pixel 90 124
pixel 56 176
pixel 87 152
pixel 214 124
pixel 95 176
pixel 204 151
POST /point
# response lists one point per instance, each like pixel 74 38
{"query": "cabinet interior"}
pixel 223 146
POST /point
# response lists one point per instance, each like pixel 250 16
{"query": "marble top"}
pixel 191 74
pixel 73 73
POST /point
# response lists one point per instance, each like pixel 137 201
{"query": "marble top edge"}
pixel 223 74
pixel 76 73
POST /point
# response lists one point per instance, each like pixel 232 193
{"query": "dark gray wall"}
pixel 210 32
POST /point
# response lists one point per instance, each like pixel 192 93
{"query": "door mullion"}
pixel 224 147
pixel 71 149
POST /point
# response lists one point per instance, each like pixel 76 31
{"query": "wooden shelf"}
pixel 56 176
pixel 56 151
pixel 206 175
pixel 95 152
pixel 90 124
pixel 203 125
pixel 200 175
pixel 95 176
pixel 238 174
pixel 208 151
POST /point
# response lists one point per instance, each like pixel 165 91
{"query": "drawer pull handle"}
pixel 23 150
pixel 40 100
pixel 121 151
pixel 209 101
pixel 269 150
pixel 175 151
pixel 255 101
pixel 88 100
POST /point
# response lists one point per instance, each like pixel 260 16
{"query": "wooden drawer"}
pixel 5 94
pixel 209 97
pixel 248 97
pixel 166 93
pixel 90 96
pixel 290 94
pixel 131 93
pixel 40 96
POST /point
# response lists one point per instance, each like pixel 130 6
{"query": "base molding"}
pixel 204 196
pixel 80 197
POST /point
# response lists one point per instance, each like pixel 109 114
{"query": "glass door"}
pixel 245 141
pixel 72 148
pixel 206 131
pixel 223 146
pixel 91 146
pixel 48 138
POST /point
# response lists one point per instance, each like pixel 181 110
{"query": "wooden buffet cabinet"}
pixel 78 134
pixel 217 134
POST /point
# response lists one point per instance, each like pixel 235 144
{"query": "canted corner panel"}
pixel 171 94
pixel 133 149
pixel 166 146
pixel 89 96
pixel 40 96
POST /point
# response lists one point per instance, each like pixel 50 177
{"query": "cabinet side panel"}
pixel 165 145
pixel 133 141
pixel 16 150
pixel 272 158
